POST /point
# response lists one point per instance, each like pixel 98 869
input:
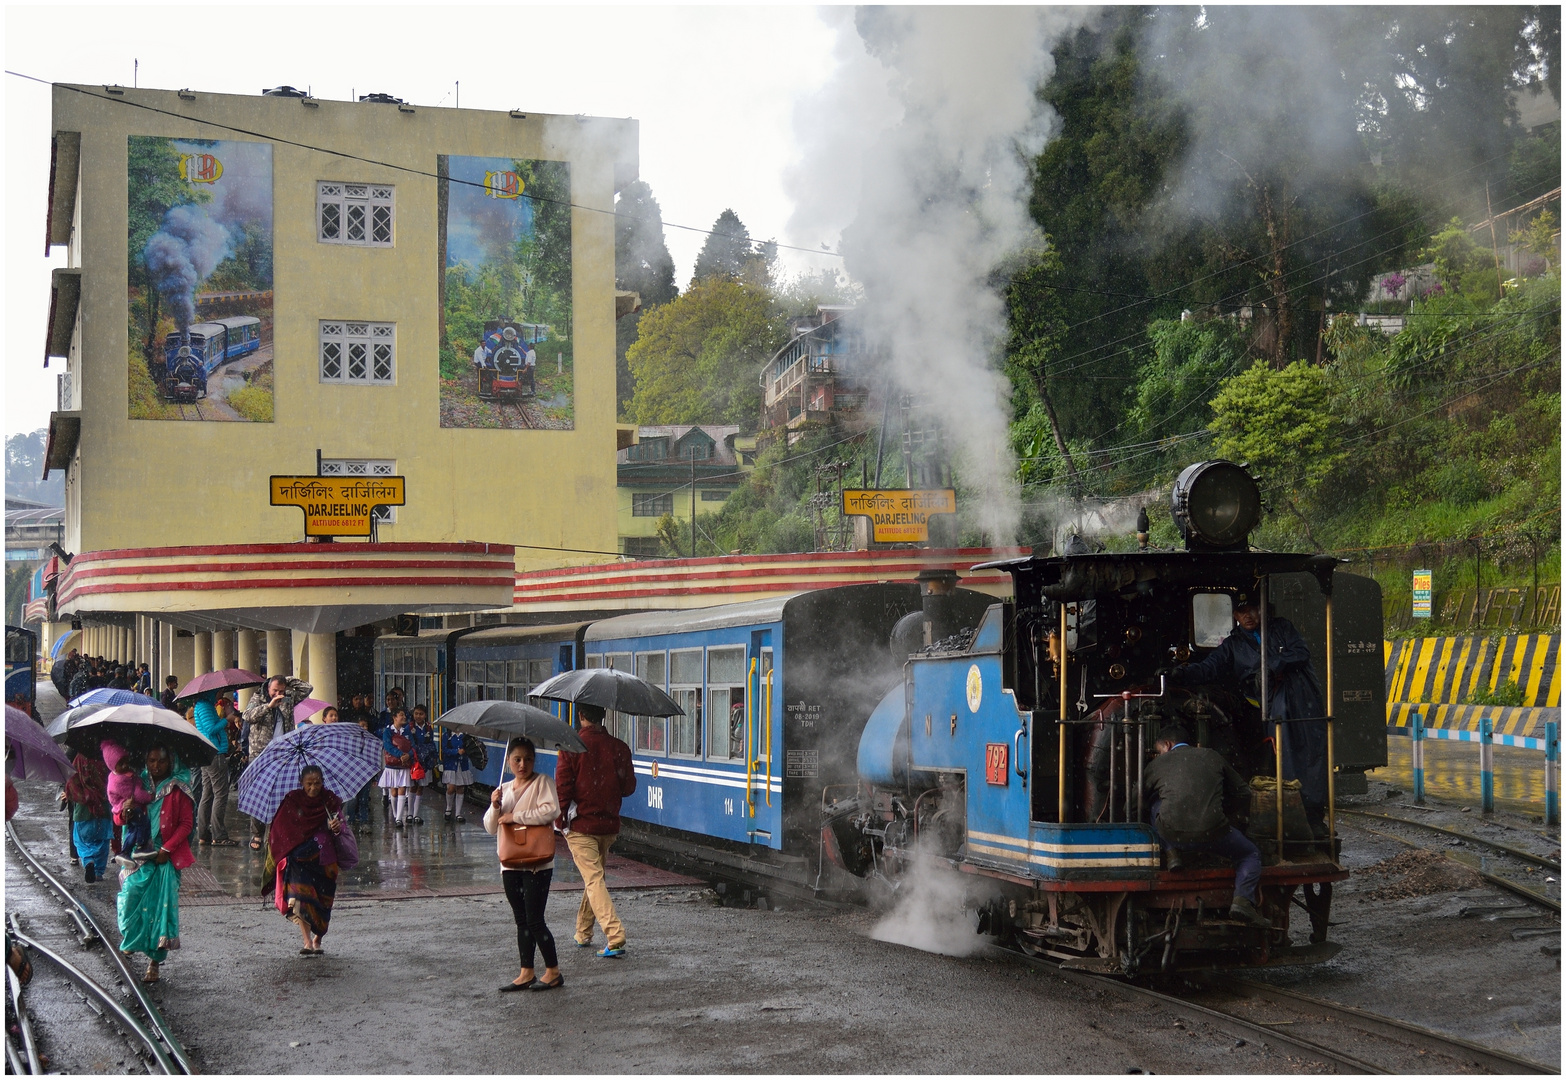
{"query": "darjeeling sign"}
pixel 899 516
pixel 338 505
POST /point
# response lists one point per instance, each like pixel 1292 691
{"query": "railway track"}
pixel 1342 1037
pixel 76 968
pixel 520 411
pixel 189 410
pixel 1499 871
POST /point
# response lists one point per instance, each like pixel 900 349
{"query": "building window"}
pixel 649 450
pixel 714 496
pixel 357 214
pixel 652 505
pixel 387 515
pixel 642 546
pixel 362 353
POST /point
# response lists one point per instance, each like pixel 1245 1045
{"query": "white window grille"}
pixel 358 214
pixel 358 352
pixel 364 467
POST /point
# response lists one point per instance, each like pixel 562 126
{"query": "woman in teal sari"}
pixel 148 904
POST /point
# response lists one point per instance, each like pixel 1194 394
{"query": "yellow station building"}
pixel 352 253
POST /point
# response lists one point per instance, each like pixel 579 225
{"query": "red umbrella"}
pixel 228 679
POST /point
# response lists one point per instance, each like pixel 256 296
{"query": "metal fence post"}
pixel 1552 773
pixel 1417 722
pixel 1487 765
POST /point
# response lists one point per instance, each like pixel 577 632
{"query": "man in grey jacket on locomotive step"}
pixel 1187 787
pixel 270 712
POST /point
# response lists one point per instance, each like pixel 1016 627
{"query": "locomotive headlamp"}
pixel 1215 504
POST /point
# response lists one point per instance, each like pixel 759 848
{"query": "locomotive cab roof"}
pixel 1082 577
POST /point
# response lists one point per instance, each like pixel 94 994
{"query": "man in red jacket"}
pixel 595 781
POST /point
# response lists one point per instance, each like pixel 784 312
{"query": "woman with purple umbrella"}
pixel 304 840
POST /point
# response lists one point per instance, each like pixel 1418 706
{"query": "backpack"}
pixel 478 753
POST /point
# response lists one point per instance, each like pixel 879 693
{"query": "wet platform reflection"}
pixel 435 859
pixel 1452 773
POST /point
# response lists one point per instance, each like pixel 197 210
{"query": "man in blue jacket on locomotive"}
pixel 1295 694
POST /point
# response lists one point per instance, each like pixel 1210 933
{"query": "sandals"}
pixel 149 978
pixel 539 984
pixel 225 843
pixel 255 843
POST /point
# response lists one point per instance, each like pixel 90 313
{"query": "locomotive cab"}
pixel 1046 717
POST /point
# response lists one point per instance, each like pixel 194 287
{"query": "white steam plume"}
pixel 929 912
pixel 915 156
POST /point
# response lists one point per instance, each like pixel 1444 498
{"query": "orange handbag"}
pixel 523 847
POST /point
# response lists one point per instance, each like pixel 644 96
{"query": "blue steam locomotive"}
pixel 834 739
pixel 191 357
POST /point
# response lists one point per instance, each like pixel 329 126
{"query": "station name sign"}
pixel 338 505
pixel 898 516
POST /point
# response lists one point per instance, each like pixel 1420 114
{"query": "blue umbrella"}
pixel 105 696
pixel 349 757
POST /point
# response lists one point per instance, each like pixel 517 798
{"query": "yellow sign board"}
pixel 899 517
pixel 338 505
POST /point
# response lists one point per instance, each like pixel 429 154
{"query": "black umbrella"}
pixel 515 718
pixel 138 727
pixel 608 689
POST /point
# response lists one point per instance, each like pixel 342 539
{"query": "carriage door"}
pixel 759 734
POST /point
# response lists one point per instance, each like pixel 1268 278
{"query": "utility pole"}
pixel 1495 251
pixel 693 503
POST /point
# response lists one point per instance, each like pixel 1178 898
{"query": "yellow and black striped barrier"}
pixel 1450 670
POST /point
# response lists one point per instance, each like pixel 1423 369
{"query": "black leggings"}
pixel 528 891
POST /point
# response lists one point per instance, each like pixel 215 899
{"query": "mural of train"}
pixel 834 739
pixel 507 359
pixel 191 357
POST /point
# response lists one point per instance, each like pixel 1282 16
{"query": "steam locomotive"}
pixel 834 739
pixel 502 358
pixel 189 358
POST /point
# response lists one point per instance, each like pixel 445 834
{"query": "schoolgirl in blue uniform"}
pixel 426 751
pixel 398 749
pixel 455 771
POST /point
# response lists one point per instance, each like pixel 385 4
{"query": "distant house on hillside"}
pixel 657 475
pixel 824 372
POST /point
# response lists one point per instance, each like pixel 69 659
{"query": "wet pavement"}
pixel 1452 772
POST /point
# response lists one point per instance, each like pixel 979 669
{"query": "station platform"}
pixel 1452 773
pixel 419 861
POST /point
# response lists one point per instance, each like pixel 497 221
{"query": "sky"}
pixel 714 89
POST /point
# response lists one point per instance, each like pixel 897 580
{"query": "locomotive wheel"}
pixel 1318 904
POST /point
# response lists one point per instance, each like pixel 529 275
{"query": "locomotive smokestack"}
pixel 937 587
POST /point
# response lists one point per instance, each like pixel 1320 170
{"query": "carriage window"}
pixel 360 215
pixel 359 353
pixel 685 679
pixel 1212 617
pixel 726 704
pixel 620 725
pixel 386 515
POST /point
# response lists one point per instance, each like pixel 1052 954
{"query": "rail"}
pixel 165 1033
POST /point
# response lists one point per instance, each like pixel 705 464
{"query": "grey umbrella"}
pixel 608 689
pixel 515 718
pixel 75 715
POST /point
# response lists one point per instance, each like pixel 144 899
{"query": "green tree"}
pixel 697 358
pixel 1280 422
pixel 1190 358
pixel 1540 238
pixel 642 265
pixel 1036 319
pixel 153 188
pixel 729 253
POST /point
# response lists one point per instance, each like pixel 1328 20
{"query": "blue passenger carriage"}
pixel 191 357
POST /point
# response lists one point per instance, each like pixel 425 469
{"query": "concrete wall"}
pixel 150 483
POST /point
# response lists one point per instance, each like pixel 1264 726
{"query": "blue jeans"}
pixel 1233 845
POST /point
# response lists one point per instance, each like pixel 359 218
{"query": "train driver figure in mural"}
pixel 504 361
pixel 1295 694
